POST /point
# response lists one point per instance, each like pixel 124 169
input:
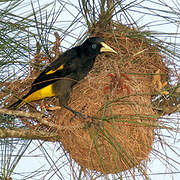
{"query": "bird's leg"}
pixel 79 114
pixel 64 96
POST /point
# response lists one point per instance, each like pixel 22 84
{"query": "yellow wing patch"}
pixel 41 94
pixel 53 71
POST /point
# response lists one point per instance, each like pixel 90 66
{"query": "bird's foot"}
pixel 76 114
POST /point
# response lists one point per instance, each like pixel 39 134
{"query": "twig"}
pixel 56 45
pixel 40 117
pixel 21 113
pixel 28 134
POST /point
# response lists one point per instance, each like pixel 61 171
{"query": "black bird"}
pixel 62 74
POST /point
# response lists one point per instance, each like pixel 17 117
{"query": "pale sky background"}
pixel 32 161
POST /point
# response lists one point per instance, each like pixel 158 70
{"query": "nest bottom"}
pixel 110 151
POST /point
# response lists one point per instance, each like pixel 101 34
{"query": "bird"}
pixel 58 78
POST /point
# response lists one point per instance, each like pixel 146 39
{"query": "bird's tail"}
pixel 18 103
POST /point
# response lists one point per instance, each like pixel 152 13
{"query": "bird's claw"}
pixel 78 114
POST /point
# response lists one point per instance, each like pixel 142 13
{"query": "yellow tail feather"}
pixel 37 95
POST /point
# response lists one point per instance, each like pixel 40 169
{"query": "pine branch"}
pixel 40 117
pixel 28 134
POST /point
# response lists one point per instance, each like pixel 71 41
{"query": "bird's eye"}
pixel 94 46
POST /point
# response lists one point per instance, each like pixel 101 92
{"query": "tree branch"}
pixel 28 134
pixel 34 134
pixel 40 117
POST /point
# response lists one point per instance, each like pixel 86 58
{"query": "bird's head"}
pixel 95 45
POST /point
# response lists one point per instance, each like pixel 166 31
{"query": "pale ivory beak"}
pixel 106 48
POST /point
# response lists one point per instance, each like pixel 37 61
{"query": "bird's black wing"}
pixel 64 66
pixel 58 69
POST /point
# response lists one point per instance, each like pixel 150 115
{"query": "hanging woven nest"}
pixel 117 93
